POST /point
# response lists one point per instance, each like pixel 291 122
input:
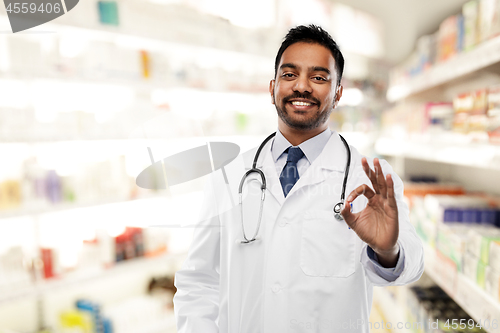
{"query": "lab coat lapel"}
pixel 334 155
pixel 333 158
pixel 269 168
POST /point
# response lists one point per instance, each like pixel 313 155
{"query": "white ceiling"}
pixel 406 20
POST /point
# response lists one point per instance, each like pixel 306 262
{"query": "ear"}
pixel 338 94
pixel 271 90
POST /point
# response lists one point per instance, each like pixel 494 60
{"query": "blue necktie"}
pixel 290 174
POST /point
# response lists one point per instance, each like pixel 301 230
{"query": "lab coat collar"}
pixel 311 148
pixel 334 155
pixel 332 158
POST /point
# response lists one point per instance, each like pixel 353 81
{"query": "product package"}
pixel 440 116
pixel 452 242
pixel 478 115
pixel 494 255
pixel 10 194
pixel 470 14
pixel 460 42
pixel 479 242
pixel 486 18
pixel 492 282
pixel 463 105
pixel 447 38
pixel 76 321
pixel 469 268
pixel 493 112
pixel 495 25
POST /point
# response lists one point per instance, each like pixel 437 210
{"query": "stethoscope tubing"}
pixel 337 208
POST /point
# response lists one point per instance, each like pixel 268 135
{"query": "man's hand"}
pixel 377 224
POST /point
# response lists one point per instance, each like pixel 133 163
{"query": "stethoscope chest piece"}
pixel 337 209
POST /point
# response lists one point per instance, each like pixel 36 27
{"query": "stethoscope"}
pixel 336 209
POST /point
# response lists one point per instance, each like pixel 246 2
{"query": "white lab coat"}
pixel 308 272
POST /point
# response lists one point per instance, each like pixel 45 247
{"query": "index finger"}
pixel 370 174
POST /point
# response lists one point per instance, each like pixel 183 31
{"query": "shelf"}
pixel 458 152
pixel 51 208
pixel 161 149
pixel 140 85
pixel 482 56
pixel 392 310
pixel 469 296
pixel 167 325
pixel 79 277
pixel 132 38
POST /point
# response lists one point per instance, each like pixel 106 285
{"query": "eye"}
pixel 319 78
pixel 288 75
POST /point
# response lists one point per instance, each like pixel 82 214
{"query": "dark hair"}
pixel 312 34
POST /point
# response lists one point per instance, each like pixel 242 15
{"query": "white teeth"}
pixel 300 103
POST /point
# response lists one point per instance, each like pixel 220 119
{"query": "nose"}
pixel 302 85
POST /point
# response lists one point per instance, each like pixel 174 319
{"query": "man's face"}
pixel 304 90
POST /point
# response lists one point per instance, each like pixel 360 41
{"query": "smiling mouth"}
pixel 298 103
pixel 302 106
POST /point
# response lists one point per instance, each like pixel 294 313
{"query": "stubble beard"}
pixel 315 121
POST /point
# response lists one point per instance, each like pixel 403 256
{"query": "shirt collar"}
pixel 311 148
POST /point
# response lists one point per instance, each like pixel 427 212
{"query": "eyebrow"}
pixel 320 69
pixel 313 69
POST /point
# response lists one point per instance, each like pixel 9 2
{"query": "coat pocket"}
pixel 327 245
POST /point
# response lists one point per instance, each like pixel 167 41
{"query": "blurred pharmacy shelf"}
pixel 46 207
pixel 167 325
pixel 391 309
pixel 205 56
pixel 468 295
pixel 482 56
pixel 475 301
pixel 427 148
pixel 78 277
pixel 363 141
pixel 70 154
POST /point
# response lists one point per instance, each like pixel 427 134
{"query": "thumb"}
pixel 348 216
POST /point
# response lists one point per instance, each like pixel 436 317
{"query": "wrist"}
pixel 388 258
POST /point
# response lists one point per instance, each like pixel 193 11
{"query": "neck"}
pixel 296 137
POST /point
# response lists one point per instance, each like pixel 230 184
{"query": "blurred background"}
pixel 92 98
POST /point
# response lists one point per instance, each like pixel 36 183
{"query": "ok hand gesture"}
pixel 377 224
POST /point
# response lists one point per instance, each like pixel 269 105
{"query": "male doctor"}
pixel 307 271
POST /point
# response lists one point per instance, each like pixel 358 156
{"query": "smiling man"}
pixel 306 269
